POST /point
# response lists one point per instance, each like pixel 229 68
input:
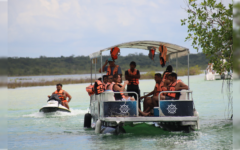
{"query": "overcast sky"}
pixel 79 27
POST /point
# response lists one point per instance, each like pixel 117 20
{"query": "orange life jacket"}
pixel 115 70
pixel 163 88
pixel 134 81
pixel 98 87
pixel 179 80
pixel 172 88
pixel 159 88
pixel 163 55
pixel 114 53
pixel 90 89
pixel 165 75
pixel 60 94
pixel 151 53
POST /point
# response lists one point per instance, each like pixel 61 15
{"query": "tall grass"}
pixel 46 83
pixel 195 70
pixel 148 75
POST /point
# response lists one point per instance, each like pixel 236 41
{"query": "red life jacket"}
pixel 152 51
pixel 134 81
pixel 90 89
pixel 98 87
pixel 114 53
pixel 60 94
pixel 115 70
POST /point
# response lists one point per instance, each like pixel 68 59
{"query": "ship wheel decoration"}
pixel 124 108
pixel 172 109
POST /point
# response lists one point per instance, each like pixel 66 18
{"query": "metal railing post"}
pixel 188 71
pixel 176 62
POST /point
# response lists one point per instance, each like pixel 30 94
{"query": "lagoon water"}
pixel 29 129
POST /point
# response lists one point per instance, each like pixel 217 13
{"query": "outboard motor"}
pixel 87 120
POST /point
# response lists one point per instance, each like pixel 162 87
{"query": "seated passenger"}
pixel 63 95
pixel 150 102
pixel 105 79
pixel 175 85
pixel 110 80
pixel 117 87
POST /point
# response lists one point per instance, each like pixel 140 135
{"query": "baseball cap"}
pixel 110 59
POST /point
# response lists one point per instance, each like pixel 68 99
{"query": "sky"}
pixel 56 28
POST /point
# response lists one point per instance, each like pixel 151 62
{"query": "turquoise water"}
pixel 29 129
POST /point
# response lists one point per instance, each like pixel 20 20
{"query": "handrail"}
pixel 187 91
pixel 128 92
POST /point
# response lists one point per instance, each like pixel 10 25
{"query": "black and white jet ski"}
pixel 54 104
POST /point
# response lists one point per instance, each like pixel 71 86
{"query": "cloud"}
pixel 80 27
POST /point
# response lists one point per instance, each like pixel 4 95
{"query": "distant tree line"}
pixel 19 66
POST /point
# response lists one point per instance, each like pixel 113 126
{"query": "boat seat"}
pixel 183 95
pixel 108 96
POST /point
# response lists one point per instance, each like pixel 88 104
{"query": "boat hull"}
pixel 53 109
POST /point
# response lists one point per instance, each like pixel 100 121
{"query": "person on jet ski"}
pixel 62 95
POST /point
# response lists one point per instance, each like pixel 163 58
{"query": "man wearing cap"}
pixel 112 68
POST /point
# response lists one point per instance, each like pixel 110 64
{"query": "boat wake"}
pixel 74 112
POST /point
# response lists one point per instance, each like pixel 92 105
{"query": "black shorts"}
pixel 169 98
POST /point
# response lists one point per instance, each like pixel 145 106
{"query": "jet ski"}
pixel 54 104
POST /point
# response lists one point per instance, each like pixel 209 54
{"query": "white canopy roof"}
pixel 172 49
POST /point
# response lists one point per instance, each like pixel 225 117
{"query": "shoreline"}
pixel 68 81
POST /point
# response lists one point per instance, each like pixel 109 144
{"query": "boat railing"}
pixel 182 92
pixel 103 99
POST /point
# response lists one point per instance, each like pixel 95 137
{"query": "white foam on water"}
pixel 74 112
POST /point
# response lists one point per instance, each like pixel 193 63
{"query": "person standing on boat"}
pixel 62 95
pixel 112 68
pixel 133 76
pixel 168 71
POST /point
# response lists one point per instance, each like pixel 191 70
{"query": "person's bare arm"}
pixel 135 76
pixel 100 70
pixel 117 88
pixel 127 77
pixel 69 96
pixel 181 86
pixel 50 95
pixel 151 93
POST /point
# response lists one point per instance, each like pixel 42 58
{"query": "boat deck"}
pixel 149 119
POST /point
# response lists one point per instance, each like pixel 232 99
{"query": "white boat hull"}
pixel 53 106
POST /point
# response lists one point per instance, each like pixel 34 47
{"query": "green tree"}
pixel 210 28
pixel 236 38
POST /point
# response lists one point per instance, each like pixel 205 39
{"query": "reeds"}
pixel 46 83
pixel 195 70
